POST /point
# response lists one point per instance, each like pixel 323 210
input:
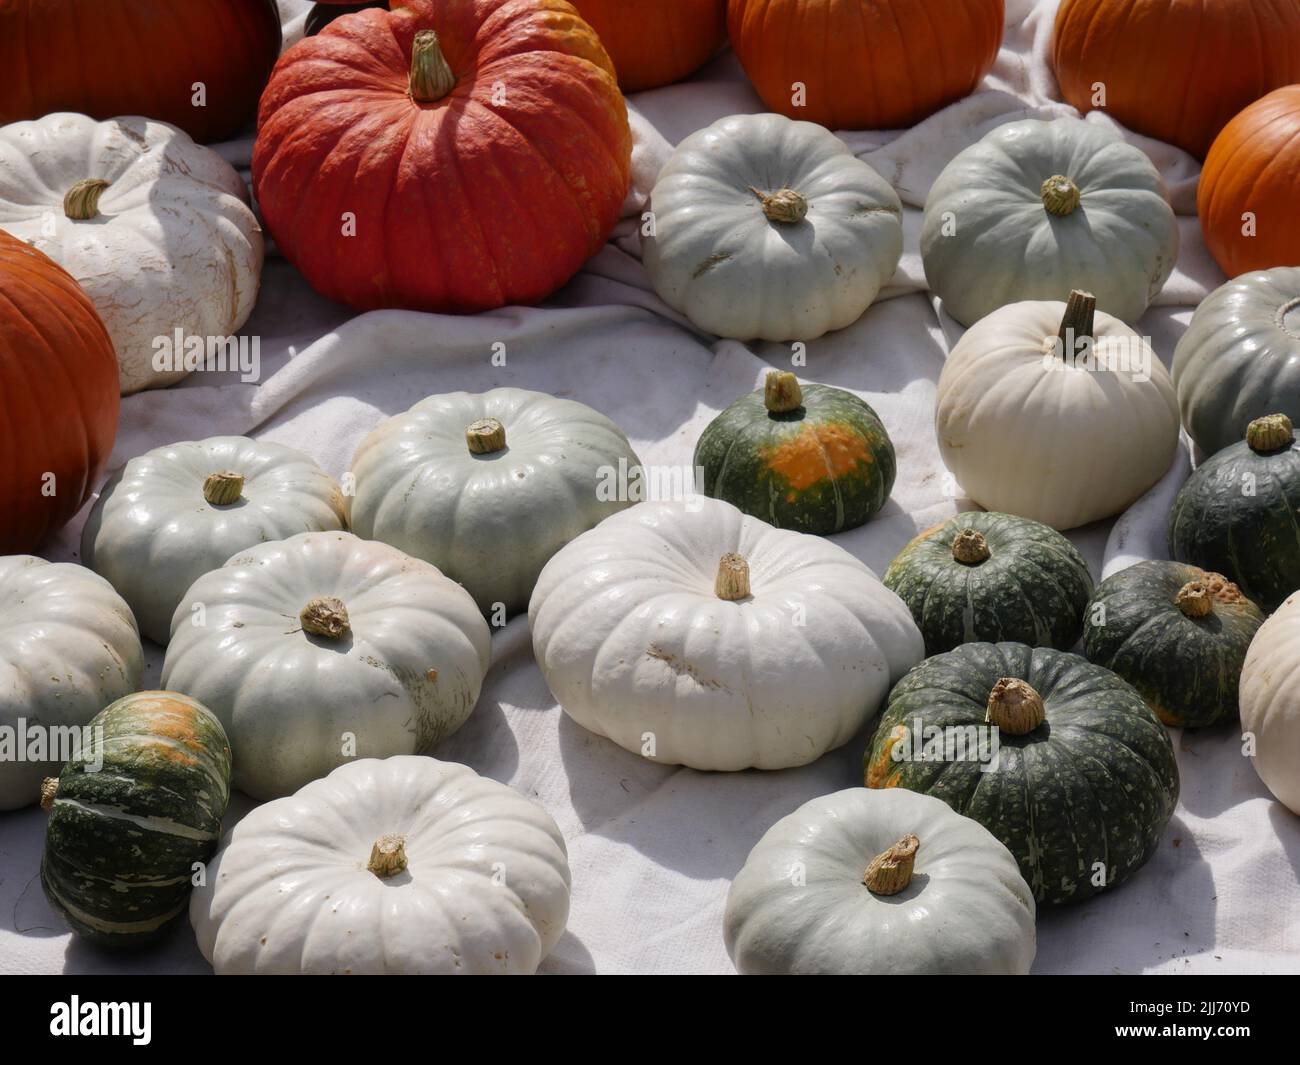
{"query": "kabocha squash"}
pixel 1036 209
pixel 764 228
pixel 1176 633
pixel 1080 782
pixel 694 635
pixel 989 578
pixel 865 64
pixel 175 513
pixel 1236 515
pixel 1055 412
pixel 58 376
pixel 407 865
pixel 660 43
pixel 1270 707
pixel 451 156
pixel 130 821
pixel 805 457
pixel 322 648
pixel 821 893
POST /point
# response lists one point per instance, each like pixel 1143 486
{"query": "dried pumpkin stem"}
pixel 387 856
pixel 49 792
pixel 1060 195
pixel 1014 707
pixel 781 392
pixel 891 871
pixel 431 76
pixel 81 202
pixel 325 616
pixel 970 548
pixel 1273 432
pixel 485 436
pixel 1077 322
pixel 1194 599
pixel 784 206
pixel 223 488
pixel 732 582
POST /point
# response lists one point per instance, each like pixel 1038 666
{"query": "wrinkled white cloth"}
pixel 653 848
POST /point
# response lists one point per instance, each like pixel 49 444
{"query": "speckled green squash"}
pixel 1080 797
pixel 122 839
pixel 988 577
pixel 811 458
pixel 1176 633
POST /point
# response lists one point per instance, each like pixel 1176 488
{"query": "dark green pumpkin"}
pixel 811 457
pixel 1237 514
pixel 988 578
pixel 1080 797
pixel 1176 633
pixel 122 839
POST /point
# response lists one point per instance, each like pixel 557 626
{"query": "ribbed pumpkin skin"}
pixel 1096 782
pixel 58 376
pixel 1031 589
pixel 121 842
pixel 106 58
pixel 823 468
pixel 866 64
pixel 1176 70
pixel 1186 668
pixel 324 12
pixel 497 193
pixel 657 43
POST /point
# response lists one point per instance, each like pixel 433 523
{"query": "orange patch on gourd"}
pixel 878 773
pixel 817 453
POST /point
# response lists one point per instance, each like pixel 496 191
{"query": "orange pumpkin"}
pixel 654 44
pixel 864 64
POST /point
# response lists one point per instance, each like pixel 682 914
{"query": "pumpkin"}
pixel 58 376
pixel 1055 412
pixel 68 647
pixel 450 156
pixel 1248 188
pixel 764 228
pixel 1270 710
pixel 174 513
pixel 864 64
pixel 660 43
pixel 1172 69
pixel 324 12
pixel 322 648
pixel 989 578
pixel 822 892
pixel 153 226
pixel 198 65
pixel 1176 633
pixel 805 457
pixel 488 486
pixel 1076 776
pixel 695 635
pixel 134 818
pixel 1240 357
pixel 1036 209
pixel 1236 514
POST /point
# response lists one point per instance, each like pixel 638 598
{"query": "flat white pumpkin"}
pixel 322 648
pixel 174 513
pixel 955 903
pixel 770 229
pixel 1270 703
pixel 695 635
pixel 405 865
pixel 161 238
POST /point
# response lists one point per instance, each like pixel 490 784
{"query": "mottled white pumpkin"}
pixel 879 883
pixel 174 513
pixel 154 227
pixel 322 648
pixel 696 635
pixel 405 865
pixel 68 648
pixel 1270 702
pixel 769 229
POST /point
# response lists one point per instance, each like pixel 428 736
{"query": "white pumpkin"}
pixel 68 648
pixel 488 486
pixel 1036 209
pixel 1270 703
pixel 174 513
pixel 767 229
pixel 879 883
pixel 153 226
pixel 402 866
pixel 695 635
pixel 322 648
pixel 1062 441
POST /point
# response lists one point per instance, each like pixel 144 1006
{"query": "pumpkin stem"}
pixel 781 392
pixel 1014 707
pixel 970 548
pixel 49 792
pixel 1060 195
pixel 431 77
pixel 1077 322
pixel 784 206
pixel 223 488
pixel 325 616
pixel 1273 432
pixel 387 856
pixel 81 202
pixel 732 582
pixel 485 436
pixel 890 871
pixel 1194 599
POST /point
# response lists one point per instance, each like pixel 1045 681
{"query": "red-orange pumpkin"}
pixel 452 171
pixel 864 64
pixel 107 58
pixel 1176 70
pixel 58 377
pixel 654 44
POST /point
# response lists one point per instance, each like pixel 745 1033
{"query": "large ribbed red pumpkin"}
pixel 453 155
pixel 58 383
pixel 864 64
pixel 107 58
pixel 1176 70
pixel 654 44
